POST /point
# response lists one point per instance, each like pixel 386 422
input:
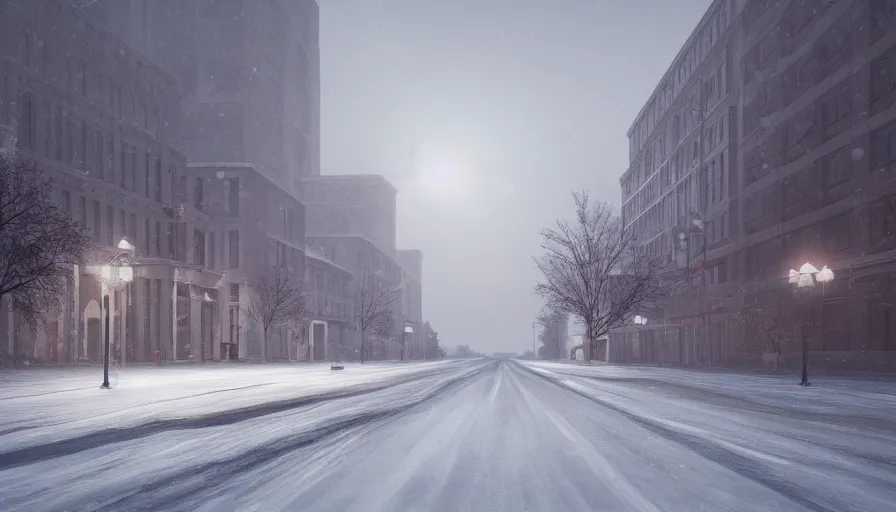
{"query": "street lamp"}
pixel 404 335
pixel 124 273
pixel 805 279
pixel 640 320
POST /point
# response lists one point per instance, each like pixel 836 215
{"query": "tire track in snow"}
pixel 719 454
pixel 171 491
pixel 46 451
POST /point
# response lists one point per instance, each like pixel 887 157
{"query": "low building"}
pixel 102 121
pixel 330 307
pixel 261 227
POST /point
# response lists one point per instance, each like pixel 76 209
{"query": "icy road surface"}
pixel 476 435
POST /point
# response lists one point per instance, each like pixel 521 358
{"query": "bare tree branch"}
pixel 277 300
pixel 593 270
pixel 39 243
pixel 373 309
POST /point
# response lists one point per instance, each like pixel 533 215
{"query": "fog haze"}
pixel 486 114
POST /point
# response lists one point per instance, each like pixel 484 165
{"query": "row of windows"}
pixel 154 238
pixel 706 39
pixel 59 135
pixel 73 71
pixel 657 153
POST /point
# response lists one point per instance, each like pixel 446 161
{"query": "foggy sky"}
pixel 486 114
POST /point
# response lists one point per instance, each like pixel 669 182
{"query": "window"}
pixel 234 245
pixel 211 249
pixel 97 233
pixel 98 154
pixel 110 159
pixel 123 164
pixel 147 237
pixel 198 247
pixel 81 78
pixel 233 196
pixel 157 240
pixel 132 229
pixel 147 173
pixel 171 240
pixel 198 193
pixel 66 203
pixel 69 141
pixel 82 129
pixel 110 226
pixel 122 227
pixel 180 188
pixel 27 50
pixel 157 180
pixel 132 169
pixel 45 129
pixel 82 208
pixel 26 123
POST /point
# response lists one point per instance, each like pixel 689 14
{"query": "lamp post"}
pixel 404 335
pixel 805 279
pixel 125 274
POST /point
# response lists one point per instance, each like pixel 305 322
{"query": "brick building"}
pixel 808 100
pixel 101 120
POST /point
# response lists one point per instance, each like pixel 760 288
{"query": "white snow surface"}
pixel 465 435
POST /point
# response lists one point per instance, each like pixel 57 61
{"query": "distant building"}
pixel 330 301
pixel 358 204
pixel 102 121
pixel 796 114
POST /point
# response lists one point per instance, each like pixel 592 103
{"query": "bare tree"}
pixel 278 300
pixel 39 243
pixel 594 271
pixel 373 311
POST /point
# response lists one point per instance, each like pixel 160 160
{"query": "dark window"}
pixel 110 159
pixel 234 241
pixel 147 237
pixel 110 226
pixel 123 164
pixel 233 197
pixel 57 123
pixel 67 203
pixel 122 227
pixel 26 123
pixel 157 240
pixel 98 154
pixel 27 50
pixel 97 233
pixel 82 208
pixel 147 173
pixel 198 193
pixel 198 247
pixel 132 230
pixel 157 180
pixel 211 249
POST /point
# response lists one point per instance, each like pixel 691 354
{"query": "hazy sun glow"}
pixel 442 181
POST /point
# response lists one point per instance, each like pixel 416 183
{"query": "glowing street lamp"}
pixel 805 278
pixel 123 273
pixel 640 320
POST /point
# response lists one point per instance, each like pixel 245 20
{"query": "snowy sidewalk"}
pixel 49 405
pixel 872 398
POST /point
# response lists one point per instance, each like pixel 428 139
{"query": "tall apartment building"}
pixel 101 120
pixel 810 115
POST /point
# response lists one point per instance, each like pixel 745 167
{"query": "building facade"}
pixel 358 204
pixel 330 307
pixel 261 227
pixel 809 108
pixel 249 72
pixel 100 120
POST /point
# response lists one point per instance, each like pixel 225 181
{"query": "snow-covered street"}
pixel 463 435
